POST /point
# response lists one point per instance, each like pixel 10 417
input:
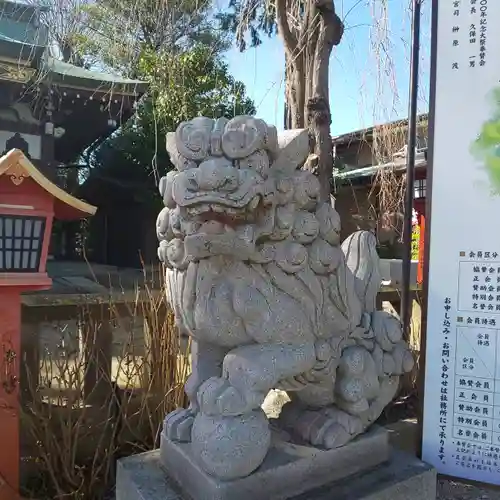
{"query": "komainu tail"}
pixel 360 250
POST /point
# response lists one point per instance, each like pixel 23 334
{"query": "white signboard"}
pixel 461 427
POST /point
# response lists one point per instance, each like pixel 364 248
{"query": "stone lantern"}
pixel 29 202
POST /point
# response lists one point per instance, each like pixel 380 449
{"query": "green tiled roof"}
pixel 371 170
pixel 21 37
pixel 74 75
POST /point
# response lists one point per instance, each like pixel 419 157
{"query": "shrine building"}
pixel 50 109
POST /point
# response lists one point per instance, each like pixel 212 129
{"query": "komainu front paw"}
pixel 177 425
pixel 217 396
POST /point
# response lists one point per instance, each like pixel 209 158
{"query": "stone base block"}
pixel 363 470
pixel 287 471
pixel 404 477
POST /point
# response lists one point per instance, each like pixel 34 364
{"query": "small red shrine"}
pixel 29 202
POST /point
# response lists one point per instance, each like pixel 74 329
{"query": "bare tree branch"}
pixel 289 40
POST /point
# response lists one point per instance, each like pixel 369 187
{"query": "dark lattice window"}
pixel 420 188
pixel 20 243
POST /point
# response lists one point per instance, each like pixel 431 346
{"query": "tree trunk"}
pixel 287 119
pixel 327 32
pixel 307 55
pixel 295 110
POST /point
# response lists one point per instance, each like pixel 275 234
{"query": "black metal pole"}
pixel 406 302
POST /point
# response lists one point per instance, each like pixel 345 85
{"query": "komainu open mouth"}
pixel 223 213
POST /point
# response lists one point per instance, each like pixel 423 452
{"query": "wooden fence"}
pixel 94 415
pixel 97 320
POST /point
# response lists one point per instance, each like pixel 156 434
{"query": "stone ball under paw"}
pixel 231 447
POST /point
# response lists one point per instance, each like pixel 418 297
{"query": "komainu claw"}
pixel 177 425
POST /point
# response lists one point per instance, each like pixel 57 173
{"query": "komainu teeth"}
pixel 196 210
pixel 222 209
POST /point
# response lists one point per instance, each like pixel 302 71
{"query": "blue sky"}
pixel 367 86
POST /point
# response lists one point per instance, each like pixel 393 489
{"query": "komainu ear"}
pixel 244 135
pixel 293 150
pixel 171 146
pixel 179 161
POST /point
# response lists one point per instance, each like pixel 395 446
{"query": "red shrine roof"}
pixel 66 207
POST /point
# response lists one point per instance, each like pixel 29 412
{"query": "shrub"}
pixel 70 446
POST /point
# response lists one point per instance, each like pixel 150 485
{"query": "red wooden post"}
pixel 10 342
pixel 421 246
pixel 419 205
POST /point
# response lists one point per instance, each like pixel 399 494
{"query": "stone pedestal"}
pixel 365 469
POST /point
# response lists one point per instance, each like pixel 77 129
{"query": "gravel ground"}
pixel 451 490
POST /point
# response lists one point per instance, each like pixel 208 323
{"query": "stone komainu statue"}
pixel 256 275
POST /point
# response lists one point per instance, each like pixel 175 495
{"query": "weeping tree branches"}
pixel 123 30
pixel 65 21
pixel 389 140
pixel 114 33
